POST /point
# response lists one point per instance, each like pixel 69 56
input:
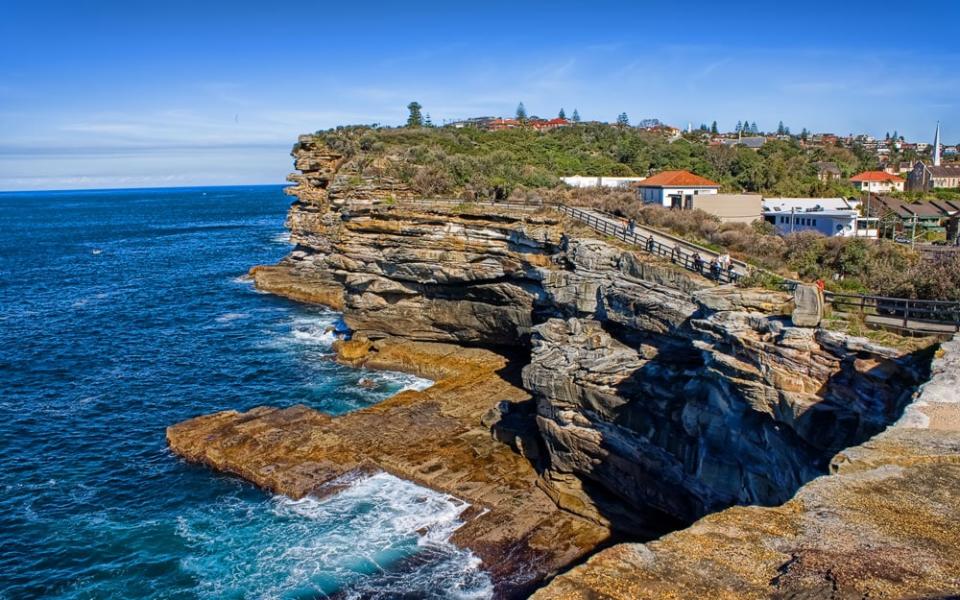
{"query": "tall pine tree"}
pixel 561 114
pixel 713 128
pixel 576 116
pixel 521 112
pixel 416 117
pixel 623 120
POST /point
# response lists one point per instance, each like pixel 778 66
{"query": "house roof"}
pixel 749 142
pixel 882 204
pixel 948 170
pixel 677 179
pixel 876 176
pixel 827 166
pixel 805 204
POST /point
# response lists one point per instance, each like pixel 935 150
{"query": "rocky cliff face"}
pixel 658 396
pixel 882 525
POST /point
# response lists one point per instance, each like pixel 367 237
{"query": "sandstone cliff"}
pixel 654 389
pixel 657 397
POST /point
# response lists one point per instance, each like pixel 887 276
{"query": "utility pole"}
pixel 913 232
pixel 793 211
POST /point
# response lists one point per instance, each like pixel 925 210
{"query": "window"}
pixel 814 222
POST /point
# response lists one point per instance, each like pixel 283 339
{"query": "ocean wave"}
pixel 398 382
pixel 282 238
pixel 380 536
pixel 317 330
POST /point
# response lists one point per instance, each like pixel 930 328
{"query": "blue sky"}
pixel 141 94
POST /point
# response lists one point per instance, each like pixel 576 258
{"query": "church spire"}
pixel 936 146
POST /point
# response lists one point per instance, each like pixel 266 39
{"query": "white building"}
pixel 878 182
pixel 671 188
pixel 806 204
pixel 829 216
pixel 580 181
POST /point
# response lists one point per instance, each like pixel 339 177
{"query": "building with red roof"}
pixel 673 188
pixel 877 181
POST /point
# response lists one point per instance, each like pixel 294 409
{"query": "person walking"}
pixel 698 263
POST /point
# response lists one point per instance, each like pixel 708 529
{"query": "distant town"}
pixel 892 200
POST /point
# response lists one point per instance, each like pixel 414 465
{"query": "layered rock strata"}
pixel 884 524
pixel 650 396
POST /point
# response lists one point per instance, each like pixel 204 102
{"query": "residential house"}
pixel 900 168
pixel 500 124
pixel 909 219
pixel 951 208
pixel 753 142
pixel 580 181
pixel 925 177
pixel 827 171
pixel 729 208
pixel 671 188
pixel 877 181
pixel 546 125
pixel 828 216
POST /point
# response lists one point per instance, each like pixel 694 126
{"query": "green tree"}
pixel 753 128
pixel 416 117
pixel 739 127
pixel 713 128
pixel 576 116
pixel 561 114
pixel 623 120
pixel 780 128
pixel 426 121
pixel 521 112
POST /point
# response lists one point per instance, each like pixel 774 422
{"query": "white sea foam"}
pixel 402 381
pixel 355 542
pixel 320 329
pixel 282 238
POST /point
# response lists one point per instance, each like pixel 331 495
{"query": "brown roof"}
pixel 948 170
pixel 676 179
pixel 882 204
pixel 876 176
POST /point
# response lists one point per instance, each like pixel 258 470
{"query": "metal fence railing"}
pixel 909 314
pixel 674 253
pixel 906 313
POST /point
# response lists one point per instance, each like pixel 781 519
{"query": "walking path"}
pixel 941 317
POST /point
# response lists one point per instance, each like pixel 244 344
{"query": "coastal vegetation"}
pixel 493 164
pixel 524 165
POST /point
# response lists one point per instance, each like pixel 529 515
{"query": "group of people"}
pixel 719 265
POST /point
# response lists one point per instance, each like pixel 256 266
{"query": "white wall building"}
pixel 878 182
pixel 581 181
pixel 829 216
pixel 670 188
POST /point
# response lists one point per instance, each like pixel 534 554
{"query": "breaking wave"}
pixel 380 537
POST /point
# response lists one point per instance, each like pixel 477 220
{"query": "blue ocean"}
pixel 122 312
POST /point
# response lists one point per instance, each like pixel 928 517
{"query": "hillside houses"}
pixel 933 219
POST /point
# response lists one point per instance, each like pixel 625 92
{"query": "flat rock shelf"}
pixel 434 437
